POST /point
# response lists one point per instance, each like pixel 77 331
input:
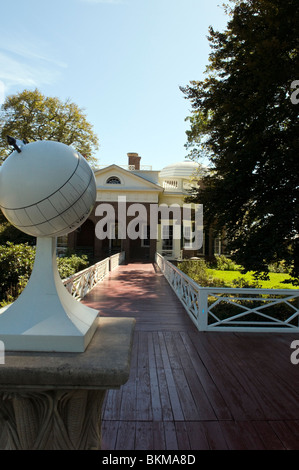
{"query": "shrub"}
pixel 197 270
pixel 16 263
pixel 244 283
pixel 225 264
pixel 279 267
pixel 71 265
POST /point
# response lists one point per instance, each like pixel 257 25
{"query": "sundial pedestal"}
pixel 53 401
pixel 60 357
pixel 45 317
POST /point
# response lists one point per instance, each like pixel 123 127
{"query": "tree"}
pixel 32 116
pixel 10 233
pixel 243 118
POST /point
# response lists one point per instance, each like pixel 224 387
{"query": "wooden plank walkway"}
pixel 191 390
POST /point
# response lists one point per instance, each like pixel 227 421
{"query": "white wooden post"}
pixel 202 302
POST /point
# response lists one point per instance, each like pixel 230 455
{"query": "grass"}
pixel 275 281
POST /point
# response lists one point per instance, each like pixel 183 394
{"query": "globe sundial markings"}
pixel 65 209
pixel 60 214
pixel 26 208
pixel 36 203
pixel 48 198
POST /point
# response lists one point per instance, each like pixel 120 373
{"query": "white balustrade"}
pixel 116 260
pixel 80 283
pixel 170 184
pixel 234 309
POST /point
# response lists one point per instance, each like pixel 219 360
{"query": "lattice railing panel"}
pixel 234 309
pixel 81 283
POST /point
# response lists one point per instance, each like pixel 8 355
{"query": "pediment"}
pixel 128 180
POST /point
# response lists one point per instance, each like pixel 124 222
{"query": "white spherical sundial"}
pixel 47 189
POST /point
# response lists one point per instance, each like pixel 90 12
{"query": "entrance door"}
pixel 115 243
pixel 85 237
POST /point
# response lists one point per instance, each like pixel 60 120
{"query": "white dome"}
pixel 180 170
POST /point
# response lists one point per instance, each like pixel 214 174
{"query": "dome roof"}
pixel 183 169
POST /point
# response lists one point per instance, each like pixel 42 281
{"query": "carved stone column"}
pixel 54 400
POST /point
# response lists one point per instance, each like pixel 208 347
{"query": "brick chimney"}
pixel 134 159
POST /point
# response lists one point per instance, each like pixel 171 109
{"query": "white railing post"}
pixel 116 260
pixel 202 308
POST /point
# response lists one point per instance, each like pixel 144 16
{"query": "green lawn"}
pixel 275 281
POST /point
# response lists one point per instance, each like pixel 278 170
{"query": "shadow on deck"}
pixel 191 390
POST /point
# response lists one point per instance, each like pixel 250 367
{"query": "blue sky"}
pixel 123 61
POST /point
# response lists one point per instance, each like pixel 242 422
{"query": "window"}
pixel 188 237
pixel 217 246
pixel 167 237
pixel 113 180
pixel 145 242
pixel 62 243
pixel 114 241
pixel 202 250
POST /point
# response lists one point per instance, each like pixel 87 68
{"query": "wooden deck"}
pixel 191 390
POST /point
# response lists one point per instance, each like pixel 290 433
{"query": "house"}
pixel 140 211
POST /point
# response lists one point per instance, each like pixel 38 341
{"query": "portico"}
pixel 121 191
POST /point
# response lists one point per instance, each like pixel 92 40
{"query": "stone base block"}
pixel 54 401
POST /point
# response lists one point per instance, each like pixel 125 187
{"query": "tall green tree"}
pixel 31 115
pixel 244 120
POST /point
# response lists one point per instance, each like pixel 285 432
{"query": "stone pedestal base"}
pixel 54 420
pixel 54 400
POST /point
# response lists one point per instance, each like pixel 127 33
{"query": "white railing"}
pixel 80 283
pixel 234 309
pixel 116 260
pixel 170 184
